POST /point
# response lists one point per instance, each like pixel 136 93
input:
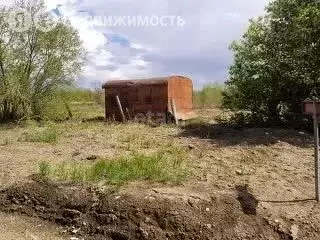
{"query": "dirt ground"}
pixel 245 184
pixel 18 227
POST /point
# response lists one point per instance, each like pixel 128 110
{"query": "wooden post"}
pixel 174 110
pixel 316 149
pixel 120 109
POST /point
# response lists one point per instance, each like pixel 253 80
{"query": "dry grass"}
pixel 47 134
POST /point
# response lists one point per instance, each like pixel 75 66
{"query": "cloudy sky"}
pixel 198 48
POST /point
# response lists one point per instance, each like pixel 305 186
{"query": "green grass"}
pixel 44 169
pixel 162 166
pixel 87 110
pixel 48 134
pixel 210 95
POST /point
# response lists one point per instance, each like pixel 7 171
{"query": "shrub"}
pixel 55 108
pixel 37 63
pixel 276 64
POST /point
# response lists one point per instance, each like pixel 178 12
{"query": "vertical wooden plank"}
pixel 174 110
pixel 120 108
pixel 106 104
pixel 316 149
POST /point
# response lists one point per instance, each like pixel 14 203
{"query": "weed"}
pixel 46 134
pixel 44 169
pixel 61 171
pixel 78 173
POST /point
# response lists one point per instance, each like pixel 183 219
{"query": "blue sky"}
pixel 198 49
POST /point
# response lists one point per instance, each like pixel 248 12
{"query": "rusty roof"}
pixel 137 82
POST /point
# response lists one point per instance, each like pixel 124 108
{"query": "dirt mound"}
pixel 88 213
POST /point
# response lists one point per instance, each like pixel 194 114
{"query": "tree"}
pixel 35 63
pixel 276 63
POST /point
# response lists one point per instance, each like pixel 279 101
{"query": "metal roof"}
pixel 137 82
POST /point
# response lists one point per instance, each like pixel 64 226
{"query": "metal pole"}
pixel 316 149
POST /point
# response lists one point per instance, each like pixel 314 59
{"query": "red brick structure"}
pixel 145 96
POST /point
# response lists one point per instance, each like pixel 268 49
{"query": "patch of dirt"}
pixel 92 214
pixel 17 227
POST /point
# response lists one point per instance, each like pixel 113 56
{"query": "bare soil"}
pixel 19 227
pixel 245 184
pixel 91 214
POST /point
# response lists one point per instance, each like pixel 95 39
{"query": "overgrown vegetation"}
pixel 35 64
pixel 74 103
pixel 161 166
pixel 276 64
pixel 209 96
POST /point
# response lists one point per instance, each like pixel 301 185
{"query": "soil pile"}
pixel 91 214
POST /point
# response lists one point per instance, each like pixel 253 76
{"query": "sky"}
pixel 193 42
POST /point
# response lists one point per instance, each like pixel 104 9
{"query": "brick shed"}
pixel 144 96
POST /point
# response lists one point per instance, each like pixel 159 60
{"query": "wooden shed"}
pixel 149 97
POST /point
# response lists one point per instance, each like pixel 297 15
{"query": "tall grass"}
pixel 160 166
pixel 44 169
pixel 209 96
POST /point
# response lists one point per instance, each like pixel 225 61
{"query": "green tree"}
pixel 34 64
pixel 276 63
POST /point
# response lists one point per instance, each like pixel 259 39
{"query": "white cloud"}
pixel 199 49
pixel 103 58
pixel 136 46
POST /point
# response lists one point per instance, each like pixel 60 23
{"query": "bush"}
pixel 55 108
pixel 276 64
pixel 35 63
